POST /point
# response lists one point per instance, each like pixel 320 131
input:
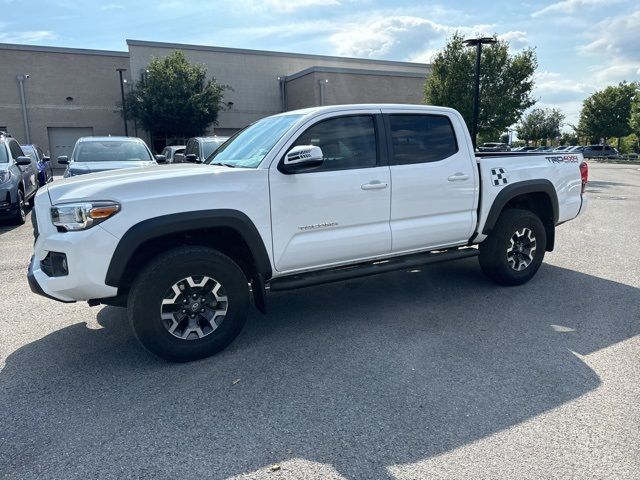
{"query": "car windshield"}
pixel 211 146
pixel 3 153
pixel 110 151
pixel 248 147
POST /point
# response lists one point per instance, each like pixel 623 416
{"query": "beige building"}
pixel 73 92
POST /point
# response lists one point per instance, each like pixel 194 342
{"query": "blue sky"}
pixel 582 45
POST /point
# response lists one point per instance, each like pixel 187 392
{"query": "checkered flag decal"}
pixel 499 177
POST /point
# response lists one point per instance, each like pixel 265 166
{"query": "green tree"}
pixel 540 125
pixel 174 97
pixel 634 120
pixel 506 82
pixel 607 113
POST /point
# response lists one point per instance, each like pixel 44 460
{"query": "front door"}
pixel 434 181
pixel 339 211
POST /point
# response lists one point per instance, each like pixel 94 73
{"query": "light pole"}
pixel 124 107
pixel 477 42
pixel 25 118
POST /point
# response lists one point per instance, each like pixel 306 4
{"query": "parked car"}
pixel 43 162
pixel 493 147
pixel 172 151
pixel 523 149
pixel 577 148
pixel 599 151
pixel 18 180
pixel 298 199
pixel 200 148
pixel 97 154
pixel 564 148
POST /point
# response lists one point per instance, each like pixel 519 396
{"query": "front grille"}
pixel 34 222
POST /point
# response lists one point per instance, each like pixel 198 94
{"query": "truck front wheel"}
pixel 514 250
pixel 189 303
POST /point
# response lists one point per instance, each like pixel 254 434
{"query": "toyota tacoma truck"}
pixel 294 200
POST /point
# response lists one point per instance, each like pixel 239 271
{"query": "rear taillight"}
pixel 584 174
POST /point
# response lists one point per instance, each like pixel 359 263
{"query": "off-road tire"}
pixel 497 262
pixel 145 302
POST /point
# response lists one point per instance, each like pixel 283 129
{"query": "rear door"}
pixel 338 212
pixel 435 191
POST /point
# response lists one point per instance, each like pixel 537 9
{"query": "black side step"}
pixel 369 268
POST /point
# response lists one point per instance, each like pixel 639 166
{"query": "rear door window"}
pixel 421 138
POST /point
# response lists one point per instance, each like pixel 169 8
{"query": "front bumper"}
pixel 88 256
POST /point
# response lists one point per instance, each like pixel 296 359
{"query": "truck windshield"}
pixel 248 147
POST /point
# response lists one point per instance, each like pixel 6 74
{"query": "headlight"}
pixel 5 176
pixel 81 216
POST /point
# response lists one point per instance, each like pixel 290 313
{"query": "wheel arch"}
pixel 538 196
pixel 230 231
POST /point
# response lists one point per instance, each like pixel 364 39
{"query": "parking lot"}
pixel 434 373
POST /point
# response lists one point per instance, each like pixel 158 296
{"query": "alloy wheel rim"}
pixel 194 307
pixel 522 249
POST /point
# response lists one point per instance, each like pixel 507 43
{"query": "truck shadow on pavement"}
pixel 360 376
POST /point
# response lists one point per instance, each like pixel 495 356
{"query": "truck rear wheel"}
pixel 514 250
pixel 188 303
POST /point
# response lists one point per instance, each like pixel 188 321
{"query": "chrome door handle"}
pixel 458 177
pixel 374 185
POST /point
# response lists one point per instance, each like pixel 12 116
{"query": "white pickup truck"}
pixel 296 199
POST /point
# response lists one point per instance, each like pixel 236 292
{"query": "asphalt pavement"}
pixel 434 373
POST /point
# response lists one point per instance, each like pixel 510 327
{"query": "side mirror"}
pixel 161 158
pixel 302 158
pixel 46 159
pixel 63 160
pixel 178 158
pixel 23 161
pixel 191 157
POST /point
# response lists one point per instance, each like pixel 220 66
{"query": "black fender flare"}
pixel 184 222
pixel 516 189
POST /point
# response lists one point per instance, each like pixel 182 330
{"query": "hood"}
pixel 80 168
pixel 127 183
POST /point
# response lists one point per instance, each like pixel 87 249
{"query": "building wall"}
pixel 254 74
pixel 351 86
pixel 88 76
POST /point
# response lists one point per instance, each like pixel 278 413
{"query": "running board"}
pixel 370 268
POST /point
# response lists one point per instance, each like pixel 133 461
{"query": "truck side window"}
pixel 421 138
pixel 346 142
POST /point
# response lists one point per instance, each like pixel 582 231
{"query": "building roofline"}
pixel 184 46
pixel 43 48
pixel 356 71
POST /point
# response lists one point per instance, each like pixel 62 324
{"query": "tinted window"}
pixel 110 151
pixel 346 142
pixel 16 151
pixel 4 158
pixel 421 138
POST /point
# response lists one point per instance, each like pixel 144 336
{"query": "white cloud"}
pixel 569 6
pixel 28 36
pixel 516 38
pixel 290 5
pixel 617 40
pixel 397 37
pixel 111 6
pixel 553 87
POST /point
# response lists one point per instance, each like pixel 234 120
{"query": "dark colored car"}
pixel 599 151
pixel 45 171
pixel 99 154
pixel 18 180
pixel 174 153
